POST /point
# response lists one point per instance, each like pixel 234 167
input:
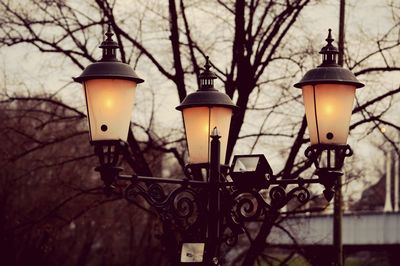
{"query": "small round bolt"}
pixel 104 128
pixel 329 135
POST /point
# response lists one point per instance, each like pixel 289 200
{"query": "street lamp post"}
pixel 212 210
pixel 328 93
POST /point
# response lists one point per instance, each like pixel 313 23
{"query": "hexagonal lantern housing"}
pixel 202 111
pixel 328 93
pixel 110 92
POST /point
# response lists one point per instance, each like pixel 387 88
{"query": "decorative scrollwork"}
pixel 302 194
pixel 156 192
pixel 278 197
pixel 184 202
pixel 133 190
pixel 181 205
pixel 277 193
pixel 247 206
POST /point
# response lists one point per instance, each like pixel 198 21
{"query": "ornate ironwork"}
pixel 280 198
pixel 205 202
pixel 185 203
pixel 247 206
pixel 328 156
pixel 181 206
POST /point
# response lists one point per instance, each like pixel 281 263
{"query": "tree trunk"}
pixel 179 78
pixel 259 243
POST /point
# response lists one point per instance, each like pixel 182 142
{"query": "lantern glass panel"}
pixel 109 103
pixel 199 122
pixel 328 111
pixel 246 164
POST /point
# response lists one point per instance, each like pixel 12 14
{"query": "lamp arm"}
pixel 184 202
pixel 182 205
pixel 248 205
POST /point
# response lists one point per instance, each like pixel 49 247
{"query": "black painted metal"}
pixel 109 67
pixel 329 72
pixel 214 203
pixel 109 153
pixel 216 211
pixel 257 179
pixel 109 46
pixel 333 154
pixel 207 95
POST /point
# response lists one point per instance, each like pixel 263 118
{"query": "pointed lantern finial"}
pixel 109 46
pixel 329 39
pixel 207 77
pixel 329 52
pixel 207 65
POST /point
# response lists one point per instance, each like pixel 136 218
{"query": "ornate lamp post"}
pixel 328 93
pixel 213 211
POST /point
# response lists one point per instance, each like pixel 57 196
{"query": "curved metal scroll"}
pixel 246 206
pixel 180 206
pixel 280 198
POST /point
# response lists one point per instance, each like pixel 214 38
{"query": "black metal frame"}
pixel 215 211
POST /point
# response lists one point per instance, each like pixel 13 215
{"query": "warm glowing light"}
pixel 329 109
pixel 383 129
pixel 199 121
pixel 109 103
pixel 206 129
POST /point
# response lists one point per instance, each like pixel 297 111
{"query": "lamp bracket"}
pixel 181 206
pixel 184 205
pixel 328 156
pixel 199 171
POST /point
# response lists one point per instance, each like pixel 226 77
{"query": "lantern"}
pixel 202 111
pixel 109 91
pixel 328 93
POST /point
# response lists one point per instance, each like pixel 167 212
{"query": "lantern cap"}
pixel 109 46
pixel 206 95
pixel 109 67
pixel 329 72
pixel 207 74
pixel 329 52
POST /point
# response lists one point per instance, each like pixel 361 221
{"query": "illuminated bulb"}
pixel 206 129
pixel 109 103
pixel 328 109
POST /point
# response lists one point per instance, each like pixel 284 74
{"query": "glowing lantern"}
pixel 110 91
pixel 202 111
pixel 328 93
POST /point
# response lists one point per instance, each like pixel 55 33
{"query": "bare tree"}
pixel 259 41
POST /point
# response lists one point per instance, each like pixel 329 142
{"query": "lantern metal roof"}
pixel 207 95
pixel 329 72
pixel 109 67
